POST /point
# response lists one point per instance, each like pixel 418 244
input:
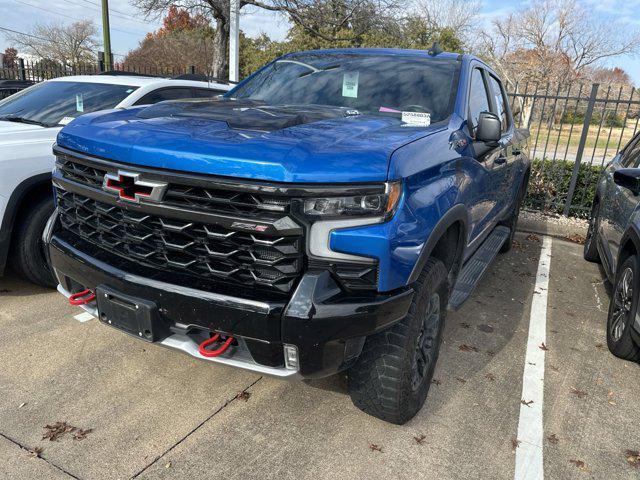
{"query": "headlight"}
pixel 334 213
pixel 373 205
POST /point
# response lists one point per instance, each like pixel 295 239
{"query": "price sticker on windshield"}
pixel 79 103
pixel 350 84
pixel 416 119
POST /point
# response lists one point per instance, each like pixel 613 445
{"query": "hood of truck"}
pixel 306 146
pixel 15 133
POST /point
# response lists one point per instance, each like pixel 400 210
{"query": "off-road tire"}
pixel 512 221
pixel 590 252
pixel 622 345
pixel 27 257
pixel 383 382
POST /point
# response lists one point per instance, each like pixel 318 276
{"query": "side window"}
pixel 478 98
pixel 501 102
pixel 631 155
pixel 162 94
pixel 207 93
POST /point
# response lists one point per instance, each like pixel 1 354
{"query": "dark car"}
pixel 614 239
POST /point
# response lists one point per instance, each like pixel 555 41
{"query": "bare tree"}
pixel 69 45
pixel 333 20
pixel 461 16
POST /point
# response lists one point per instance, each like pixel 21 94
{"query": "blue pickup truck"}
pixel 321 217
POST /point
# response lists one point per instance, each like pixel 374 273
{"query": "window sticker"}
pixel 79 103
pixel 66 120
pixel 128 90
pixel 416 119
pixel 350 84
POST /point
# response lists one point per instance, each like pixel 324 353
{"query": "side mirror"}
pixel 628 178
pixel 489 128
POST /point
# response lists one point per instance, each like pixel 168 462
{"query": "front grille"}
pixel 183 195
pixel 197 249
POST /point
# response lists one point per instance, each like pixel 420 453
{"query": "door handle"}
pixel 500 160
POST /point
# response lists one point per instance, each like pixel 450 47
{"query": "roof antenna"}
pixel 435 49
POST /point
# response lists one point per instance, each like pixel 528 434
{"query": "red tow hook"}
pixel 202 348
pixel 82 298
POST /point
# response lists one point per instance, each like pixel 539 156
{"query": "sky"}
pixel 128 27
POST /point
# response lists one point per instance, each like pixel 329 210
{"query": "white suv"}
pixel 29 123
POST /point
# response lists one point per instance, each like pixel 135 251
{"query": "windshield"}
pixel 371 84
pixel 53 103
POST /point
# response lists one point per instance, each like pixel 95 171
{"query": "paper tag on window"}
pixel 416 119
pixel 350 84
pixel 79 103
pixel 66 120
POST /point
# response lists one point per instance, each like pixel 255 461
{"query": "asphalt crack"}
pixel 192 431
pixel 41 457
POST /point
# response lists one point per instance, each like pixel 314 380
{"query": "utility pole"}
pixel 234 40
pixel 106 36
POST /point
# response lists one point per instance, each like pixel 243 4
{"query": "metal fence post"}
pixel 192 69
pixel 22 72
pixel 100 62
pixel 583 140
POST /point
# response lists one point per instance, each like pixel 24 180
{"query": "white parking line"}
pixel 529 462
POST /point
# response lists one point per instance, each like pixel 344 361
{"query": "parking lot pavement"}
pixel 156 413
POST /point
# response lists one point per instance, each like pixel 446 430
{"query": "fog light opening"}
pixel 291 361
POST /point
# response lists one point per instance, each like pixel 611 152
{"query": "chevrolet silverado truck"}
pixel 319 218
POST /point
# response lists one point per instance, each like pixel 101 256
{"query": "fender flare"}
pixel 632 234
pixel 457 213
pixel 10 213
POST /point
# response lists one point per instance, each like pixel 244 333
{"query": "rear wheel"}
pixel 27 256
pixel 392 376
pixel 590 252
pixel 622 311
pixel 512 221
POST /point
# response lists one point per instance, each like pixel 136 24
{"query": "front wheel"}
pixel 622 311
pixel 392 376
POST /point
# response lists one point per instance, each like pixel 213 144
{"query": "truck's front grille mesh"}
pixel 188 196
pixel 203 250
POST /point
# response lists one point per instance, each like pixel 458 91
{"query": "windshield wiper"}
pixel 12 118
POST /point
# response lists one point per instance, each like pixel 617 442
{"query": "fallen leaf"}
pixel 578 393
pixel 490 376
pixel 533 238
pixel 553 438
pixel 435 381
pixel 80 434
pixel 554 368
pixel 375 448
pixel 579 464
pixel 576 238
pixel 542 346
pixel 464 325
pixel 461 380
pixel 167 465
pixel 491 353
pixel 524 402
pixel 515 443
pixel 467 348
pixel 35 452
pixel 633 458
pixel 420 439
pixel 599 346
pixel 244 395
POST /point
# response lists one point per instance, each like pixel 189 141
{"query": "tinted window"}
pixel 371 84
pixel 207 93
pixel 165 94
pixel 631 155
pixel 49 102
pixel 478 98
pixel 501 103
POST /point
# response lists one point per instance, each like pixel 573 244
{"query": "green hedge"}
pixel 610 119
pixel 549 185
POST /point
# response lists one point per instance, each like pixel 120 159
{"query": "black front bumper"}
pixel 327 325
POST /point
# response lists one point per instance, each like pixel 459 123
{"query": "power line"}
pixel 111 11
pixel 68 16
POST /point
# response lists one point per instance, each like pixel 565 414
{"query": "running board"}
pixel 474 269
